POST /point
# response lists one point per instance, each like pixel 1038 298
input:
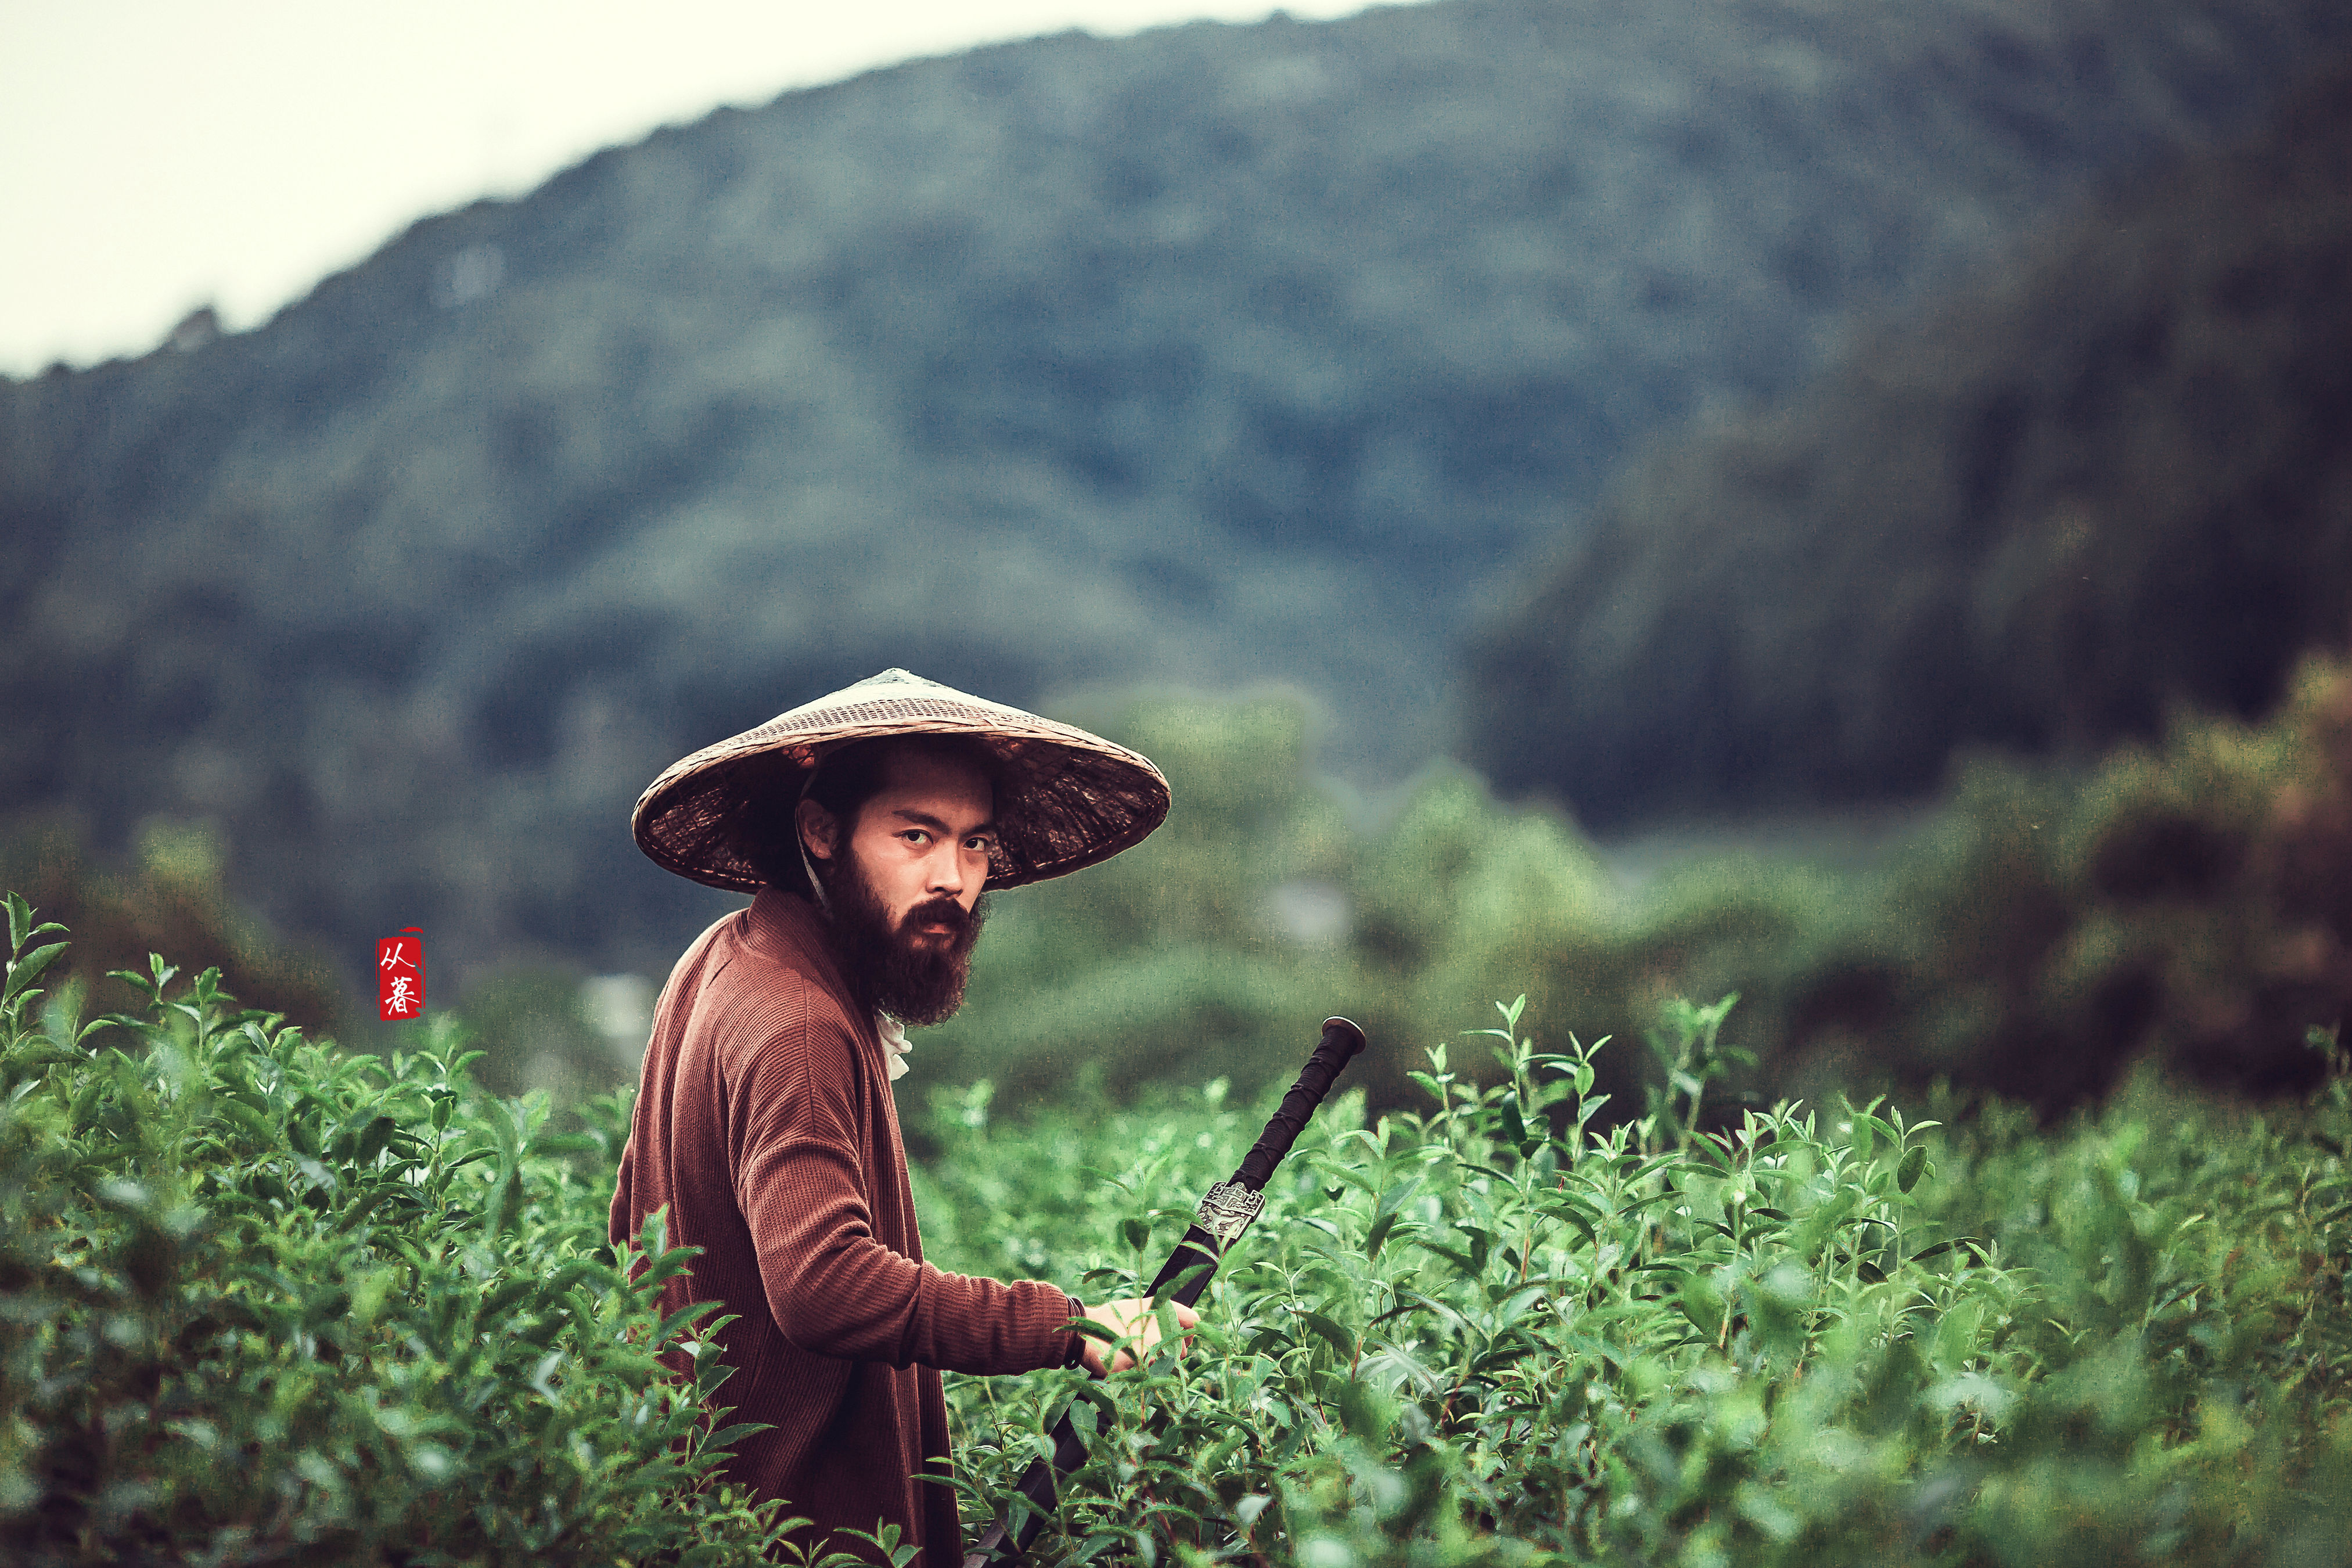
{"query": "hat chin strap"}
pixel 893 1033
pixel 800 842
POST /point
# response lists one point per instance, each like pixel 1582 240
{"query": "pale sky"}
pixel 156 155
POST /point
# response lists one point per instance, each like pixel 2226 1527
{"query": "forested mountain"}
pixel 1210 355
pixel 2110 478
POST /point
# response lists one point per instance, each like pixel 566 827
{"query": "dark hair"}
pixel 845 779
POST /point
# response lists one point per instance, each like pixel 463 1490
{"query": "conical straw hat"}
pixel 1066 799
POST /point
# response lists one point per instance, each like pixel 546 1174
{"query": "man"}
pixel 867 824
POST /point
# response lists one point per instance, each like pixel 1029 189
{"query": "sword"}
pixel 1224 1213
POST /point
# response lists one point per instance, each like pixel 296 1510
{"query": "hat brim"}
pixel 1066 799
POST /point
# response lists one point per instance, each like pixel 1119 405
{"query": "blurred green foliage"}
pixel 2186 902
pixel 2190 901
pixel 170 896
pixel 532 1026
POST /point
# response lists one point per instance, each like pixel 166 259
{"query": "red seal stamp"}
pixel 400 974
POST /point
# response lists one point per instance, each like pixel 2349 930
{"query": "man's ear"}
pixel 816 825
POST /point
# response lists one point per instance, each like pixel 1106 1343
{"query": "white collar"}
pixel 895 1041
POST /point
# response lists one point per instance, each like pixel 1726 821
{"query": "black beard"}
pixel 886 969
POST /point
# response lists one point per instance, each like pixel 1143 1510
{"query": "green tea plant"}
pixel 263 1301
pixel 1487 1333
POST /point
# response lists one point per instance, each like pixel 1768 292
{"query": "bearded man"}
pixel 867 825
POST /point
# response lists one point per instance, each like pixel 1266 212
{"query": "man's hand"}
pixel 1133 1320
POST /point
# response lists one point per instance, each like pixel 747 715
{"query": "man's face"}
pixel 917 858
pixel 925 838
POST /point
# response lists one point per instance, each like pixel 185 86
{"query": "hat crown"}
pixel 892 685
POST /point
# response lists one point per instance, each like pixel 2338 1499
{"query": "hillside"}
pixel 2109 479
pixel 1211 355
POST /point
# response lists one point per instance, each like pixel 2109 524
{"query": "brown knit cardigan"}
pixel 764 1122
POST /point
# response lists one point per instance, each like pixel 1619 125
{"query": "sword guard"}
pixel 1226 1212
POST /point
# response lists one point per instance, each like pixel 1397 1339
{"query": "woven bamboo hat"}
pixel 1065 799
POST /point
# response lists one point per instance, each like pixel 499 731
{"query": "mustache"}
pixel 942 911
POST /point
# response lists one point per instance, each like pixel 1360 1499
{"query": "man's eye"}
pixel 915 836
pixel 982 844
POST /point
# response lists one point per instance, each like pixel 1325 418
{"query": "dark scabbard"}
pixel 1224 1213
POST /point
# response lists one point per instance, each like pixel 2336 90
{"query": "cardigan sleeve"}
pixel 831 1286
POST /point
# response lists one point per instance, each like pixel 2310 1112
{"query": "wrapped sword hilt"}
pixel 1231 1205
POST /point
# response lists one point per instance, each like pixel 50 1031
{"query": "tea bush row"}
pixel 1481 1334
pixel 264 1301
